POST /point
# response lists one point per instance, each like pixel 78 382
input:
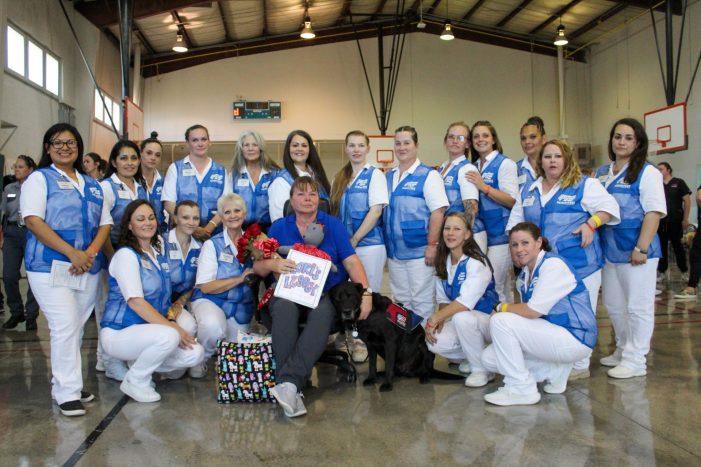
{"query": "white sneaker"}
pixel 115 369
pixel 658 292
pixel 286 395
pixel 139 393
pixel 557 382
pixel 99 366
pixel 479 379
pixel 301 409
pixel 464 367
pixel 612 360
pixel 623 372
pixel 198 371
pixel 504 397
pixel 686 295
pixel 175 374
pixel 576 374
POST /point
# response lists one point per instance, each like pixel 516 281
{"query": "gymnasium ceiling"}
pixel 220 29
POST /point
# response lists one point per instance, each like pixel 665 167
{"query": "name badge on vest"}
pixel 123 194
pixel 165 267
pixel 242 182
pixel 528 201
pixel 174 254
pixel 146 264
pixel 226 258
pixel 522 179
pixel 188 172
pixel 64 185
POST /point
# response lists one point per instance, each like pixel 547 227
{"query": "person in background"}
pixel 68 224
pixel 151 152
pixel 532 140
pixel 91 165
pixel 14 239
pixel 252 172
pixel 198 178
pixel 672 227
pixel 691 290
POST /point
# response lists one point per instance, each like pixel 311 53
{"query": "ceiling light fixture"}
pixel 447 34
pixel 307 31
pixel 561 39
pixel 179 45
pixel 421 24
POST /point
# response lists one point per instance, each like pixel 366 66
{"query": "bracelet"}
pixel 213 223
pixel 504 308
pixel 171 320
pixel 590 227
pixel 91 250
pixel 597 220
pixel 639 250
pixel 432 243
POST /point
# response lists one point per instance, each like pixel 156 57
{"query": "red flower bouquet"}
pixel 256 245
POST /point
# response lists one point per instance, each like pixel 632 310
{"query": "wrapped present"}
pixel 245 371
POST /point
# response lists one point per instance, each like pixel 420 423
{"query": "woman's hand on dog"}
pixel 365 307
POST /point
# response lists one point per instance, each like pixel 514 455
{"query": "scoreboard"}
pixel 257 110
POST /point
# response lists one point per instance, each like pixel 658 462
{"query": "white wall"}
pixel 323 90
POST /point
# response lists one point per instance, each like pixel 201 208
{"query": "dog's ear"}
pixel 360 287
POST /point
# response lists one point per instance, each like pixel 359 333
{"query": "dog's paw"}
pixel 385 387
pixel 369 382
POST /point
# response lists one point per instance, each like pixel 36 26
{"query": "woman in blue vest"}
pixel 463 195
pixel 569 208
pixel 412 223
pixel 252 171
pixel 299 158
pixel 68 223
pixel 466 295
pixel 540 338
pixel 222 303
pixel 198 178
pixel 497 182
pixel 151 151
pixel 532 140
pixel 631 248
pixel 91 165
pixel 135 326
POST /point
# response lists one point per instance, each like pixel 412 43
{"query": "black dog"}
pixel 405 353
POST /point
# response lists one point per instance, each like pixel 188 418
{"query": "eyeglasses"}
pixel 58 144
pixel 460 138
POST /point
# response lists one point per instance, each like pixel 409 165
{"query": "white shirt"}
pixel 33 203
pixel 156 177
pixel 468 190
pixel 123 191
pixel 248 181
pixel 124 267
pixel 555 282
pixel 594 199
pixel 434 190
pixel 278 193
pixel 472 289
pixel 208 263
pixel 652 197
pixel 377 190
pixel 508 174
pixel 172 238
pixel 170 188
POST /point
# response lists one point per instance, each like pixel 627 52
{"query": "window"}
pixel 31 61
pixel 113 107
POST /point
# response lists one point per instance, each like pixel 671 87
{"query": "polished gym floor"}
pixel 653 420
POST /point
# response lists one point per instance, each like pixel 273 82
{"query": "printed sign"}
pixel 305 285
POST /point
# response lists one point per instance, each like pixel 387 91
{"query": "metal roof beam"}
pixel 223 21
pixel 473 10
pixel 608 14
pixel 513 13
pixel 105 13
pixel 554 16
pixel 181 29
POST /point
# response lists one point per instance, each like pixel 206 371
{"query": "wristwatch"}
pixel 639 250
pixel 367 291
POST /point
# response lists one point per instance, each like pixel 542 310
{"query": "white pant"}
pixel 373 259
pixel 527 351
pixel 629 296
pixel 212 325
pixel 149 348
pixel 500 257
pixel 66 311
pixel 411 282
pixel 481 239
pixel 593 283
pixel 465 335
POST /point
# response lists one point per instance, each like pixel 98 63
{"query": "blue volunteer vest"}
pixel 452 188
pixel 120 204
pixel 74 217
pixel 256 199
pixel 490 297
pixel 493 215
pixel 355 206
pixel 205 194
pixel 288 178
pixel 557 219
pixel 156 286
pixel 236 303
pixel 406 218
pixel 182 272
pixel 525 177
pixel 572 312
pixel 154 197
pixel 619 240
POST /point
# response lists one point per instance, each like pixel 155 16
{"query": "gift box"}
pixel 245 372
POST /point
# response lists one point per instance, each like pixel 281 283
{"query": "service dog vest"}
pixel 355 206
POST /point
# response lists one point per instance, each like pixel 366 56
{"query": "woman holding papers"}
pixel 68 223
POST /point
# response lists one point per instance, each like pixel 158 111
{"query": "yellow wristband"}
pixel 596 220
pixel 504 307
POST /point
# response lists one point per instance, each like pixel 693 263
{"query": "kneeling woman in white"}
pixel 466 295
pixel 134 327
pixel 222 303
pixel 540 338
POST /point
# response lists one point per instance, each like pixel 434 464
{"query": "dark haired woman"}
pixel 532 140
pixel 198 178
pixel 540 338
pixel 299 158
pixel 252 172
pixel 91 165
pixel 466 295
pixel 135 327
pixel 497 182
pixel 151 152
pixel 14 238
pixel 631 248
pixel 68 223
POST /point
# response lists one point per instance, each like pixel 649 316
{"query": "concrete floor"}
pixel 654 420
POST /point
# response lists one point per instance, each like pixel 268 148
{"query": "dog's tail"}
pixel 438 374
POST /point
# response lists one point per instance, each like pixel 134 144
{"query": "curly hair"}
pixel 571 173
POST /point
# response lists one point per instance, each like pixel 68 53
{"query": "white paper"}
pixel 246 338
pixel 61 277
pixel 306 284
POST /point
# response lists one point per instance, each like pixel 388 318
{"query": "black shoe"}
pixel 86 396
pixel 31 324
pixel 72 409
pixel 13 322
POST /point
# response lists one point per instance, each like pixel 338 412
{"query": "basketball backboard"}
pixel 666 129
pixel 383 149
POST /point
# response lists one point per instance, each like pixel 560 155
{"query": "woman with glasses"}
pixel 68 223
